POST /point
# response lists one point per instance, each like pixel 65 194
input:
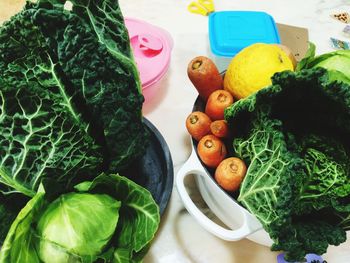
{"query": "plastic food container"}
pixel 231 31
pixel 152 51
pixel 240 222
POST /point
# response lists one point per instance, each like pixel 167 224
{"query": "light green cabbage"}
pixel 111 219
pixel 82 223
pixel 337 63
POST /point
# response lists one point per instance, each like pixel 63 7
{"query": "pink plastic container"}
pixel 152 51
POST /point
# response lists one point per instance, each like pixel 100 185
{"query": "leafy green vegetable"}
pixel 70 95
pixel 294 137
pixel 113 92
pixel 85 222
pixel 328 175
pixel 110 218
pixel 10 205
pixel 337 63
pixel 70 108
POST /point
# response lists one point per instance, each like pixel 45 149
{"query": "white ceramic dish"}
pixel 241 223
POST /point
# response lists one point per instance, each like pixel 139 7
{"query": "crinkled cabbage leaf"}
pixel 294 136
pixel 70 95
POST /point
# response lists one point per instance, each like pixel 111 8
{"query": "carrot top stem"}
pixel 222 98
pixel 194 119
pixel 208 143
pixel 196 64
pixel 233 167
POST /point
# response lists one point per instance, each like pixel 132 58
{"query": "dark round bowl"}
pixel 154 170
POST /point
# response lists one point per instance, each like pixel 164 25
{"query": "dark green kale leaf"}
pixel 294 137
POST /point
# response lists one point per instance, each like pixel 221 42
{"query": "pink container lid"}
pixel 152 50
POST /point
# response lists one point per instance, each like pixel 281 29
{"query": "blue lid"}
pixel 231 31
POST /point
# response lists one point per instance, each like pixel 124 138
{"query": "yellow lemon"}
pixel 252 68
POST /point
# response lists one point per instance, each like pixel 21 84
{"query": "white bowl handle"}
pixel 194 167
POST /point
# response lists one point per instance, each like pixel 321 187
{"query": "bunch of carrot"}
pixel 210 128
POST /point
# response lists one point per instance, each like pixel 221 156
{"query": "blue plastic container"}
pixel 231 31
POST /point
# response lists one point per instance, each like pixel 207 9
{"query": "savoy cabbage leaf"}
pixel 110 85
pixel 42 131
pixel 327 177
pixel 268 158
pixel 70 95
pixel 294 137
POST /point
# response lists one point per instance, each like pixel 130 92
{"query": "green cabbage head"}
pixel 77 224
pixel 104 220
pixel 337 63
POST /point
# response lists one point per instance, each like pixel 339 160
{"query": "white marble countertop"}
pixel 180 239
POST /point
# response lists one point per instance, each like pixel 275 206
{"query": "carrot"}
pixel 198 124
pixel 217 102
pixel 230 173
pixel 204 76
pixel 211 150
pixel 219 128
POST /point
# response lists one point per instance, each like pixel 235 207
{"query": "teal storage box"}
pixel 231 31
